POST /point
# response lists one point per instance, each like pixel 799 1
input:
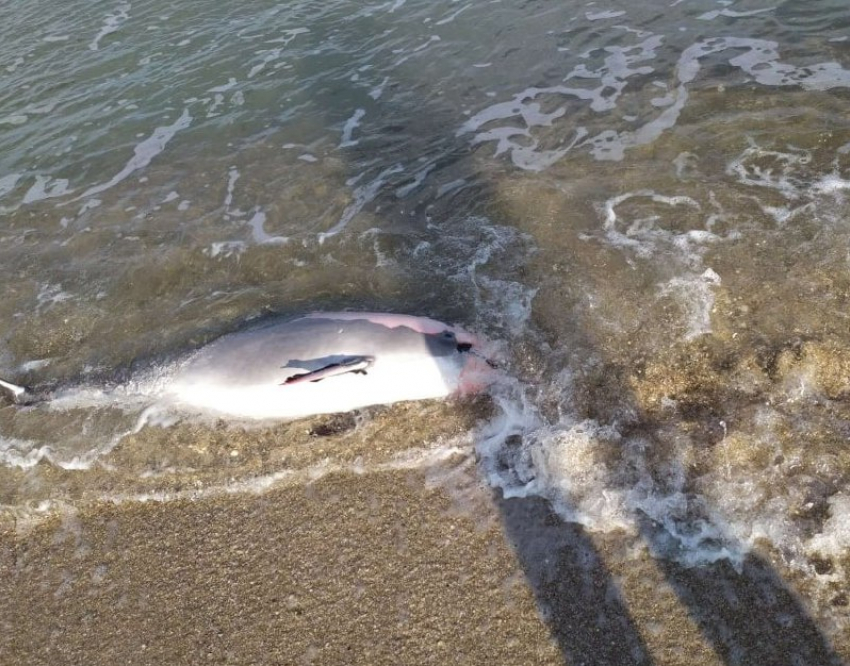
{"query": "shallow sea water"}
pixel 644 204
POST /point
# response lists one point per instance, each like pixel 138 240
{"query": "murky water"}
pixel 645 203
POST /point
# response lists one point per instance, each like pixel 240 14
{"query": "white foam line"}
pixel 362 195
pixel 21 453
pixel 225 87
pixel 226 248
pixel 14 66
pixel 378 90
pixel 16 119
pixel 350 125
pixel 7 183
pixel 11 455
pixel 410 459
pixel 612 203
pixel 831 184
pixel 779 175
pixel 450 187
pixel 112 23
pixel 731 13
pixel 758 58
pixel 46 188
pixel 453 16
pixel 270 56
pixel 144 152
pixel 601 16
pixel 261 237
pixel 425 45
pixel 289 35
pixel 232 177
pixel 418 179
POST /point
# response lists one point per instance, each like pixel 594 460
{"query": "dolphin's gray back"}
pixel 275 352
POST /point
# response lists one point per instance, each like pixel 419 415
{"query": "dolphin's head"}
pixel 477 370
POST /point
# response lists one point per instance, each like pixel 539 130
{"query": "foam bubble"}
pixel 597 478
pixel 46 188
pixel 731 13
pixel 144 152
pixel 112 23
pixel 696 295
pixel 758 58
pixel 348 129
pixel 834 538
pixel 362 196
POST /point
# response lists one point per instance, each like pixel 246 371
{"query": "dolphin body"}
pixel 323 363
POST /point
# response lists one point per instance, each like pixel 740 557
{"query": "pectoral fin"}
pixel 351 364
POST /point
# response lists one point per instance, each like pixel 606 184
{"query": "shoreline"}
pixel 349 569
pixel 389 567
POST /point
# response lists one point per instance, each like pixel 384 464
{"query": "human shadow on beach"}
pixel 740 605
pixel 749 616
pixel 578 597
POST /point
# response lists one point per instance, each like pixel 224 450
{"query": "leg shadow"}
pixel 748 617
pixel 577 595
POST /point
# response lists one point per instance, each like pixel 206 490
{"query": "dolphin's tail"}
pixel 17 394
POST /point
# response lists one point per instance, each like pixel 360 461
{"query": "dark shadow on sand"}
pixel 577 595
pixel 748 617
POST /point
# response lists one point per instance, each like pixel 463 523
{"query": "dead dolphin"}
pixel 323 363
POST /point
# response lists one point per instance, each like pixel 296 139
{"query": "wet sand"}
pixel 380 568
pixel 375 569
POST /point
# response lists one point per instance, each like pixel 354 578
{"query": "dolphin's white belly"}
pixel 245 374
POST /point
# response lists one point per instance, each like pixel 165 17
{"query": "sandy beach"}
pixel 380 568
pixel 348 570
